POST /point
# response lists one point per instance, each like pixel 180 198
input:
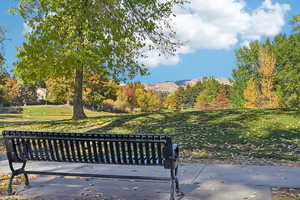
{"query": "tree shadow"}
pixel 10 110
pixel 220 134
pixel 8 116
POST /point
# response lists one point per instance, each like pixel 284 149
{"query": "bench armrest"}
pixel 171 155
pixel 175 151
pixel 174 147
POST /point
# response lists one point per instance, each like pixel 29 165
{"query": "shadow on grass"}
pixel 213 133
pixel 11 110
pixel 223 134
pixel 9 116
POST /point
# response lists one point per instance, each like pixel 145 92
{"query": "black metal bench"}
pixel 119 149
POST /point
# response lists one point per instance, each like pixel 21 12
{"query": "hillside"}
pixel 171 86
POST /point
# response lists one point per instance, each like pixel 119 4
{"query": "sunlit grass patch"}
pixel 224 134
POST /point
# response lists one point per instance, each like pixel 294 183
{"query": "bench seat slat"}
pixel 35 149
pixel 46 146
pixel 51 149
pixel 129 149
pixel 61 149
pixel 106 152
pixel 83 150
pixel 55 147
pixel 73 152
pixel 118 152
pixel 90 153
pixel 135 153
pixel 95 151
pixel 124 152
pixel 112 151
pixel 159 152
pixel 77 151
pixel 141 152
pixel 153 154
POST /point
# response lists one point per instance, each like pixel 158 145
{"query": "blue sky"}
pixel 213 30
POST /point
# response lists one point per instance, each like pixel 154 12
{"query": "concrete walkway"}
pixel 198 181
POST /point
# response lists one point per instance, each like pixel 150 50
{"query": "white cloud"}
pixel 220 24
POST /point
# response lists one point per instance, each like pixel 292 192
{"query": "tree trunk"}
pixel 78 112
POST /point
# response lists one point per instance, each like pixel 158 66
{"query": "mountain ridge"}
pixel 171 86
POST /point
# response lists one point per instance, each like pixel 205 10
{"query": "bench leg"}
pixel 173 185
pixel 16 172
pixel 9 189
pixel 26 180
pixel 175 191
pixel 176 180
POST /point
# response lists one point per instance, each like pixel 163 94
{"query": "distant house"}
pixel 41 93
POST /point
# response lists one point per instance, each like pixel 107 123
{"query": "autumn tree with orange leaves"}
pixel 222 100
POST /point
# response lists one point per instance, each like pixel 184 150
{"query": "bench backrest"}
pixel 87 147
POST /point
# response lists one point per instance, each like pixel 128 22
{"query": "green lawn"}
pixel 225 134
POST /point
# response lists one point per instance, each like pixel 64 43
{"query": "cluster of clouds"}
pixel 220 24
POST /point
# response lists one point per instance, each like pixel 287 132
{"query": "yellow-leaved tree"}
pixel 267 71
pixel 147 100
pixel 251 94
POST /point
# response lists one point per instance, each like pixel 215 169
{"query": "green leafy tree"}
pixel 97 88
pixel 189 99
pixel 180 97
pixel 204 101
pixel 296 22
pixel 170 102
pixel 27 95
pixel 212 87
pixel 247 64
pixel 194 91
pixel 287 81
pixel 106 36
pixel 206 98
pixel 59 90
pixel 147 100
pixel 2 38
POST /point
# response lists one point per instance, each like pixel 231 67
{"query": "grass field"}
pixel 224 134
